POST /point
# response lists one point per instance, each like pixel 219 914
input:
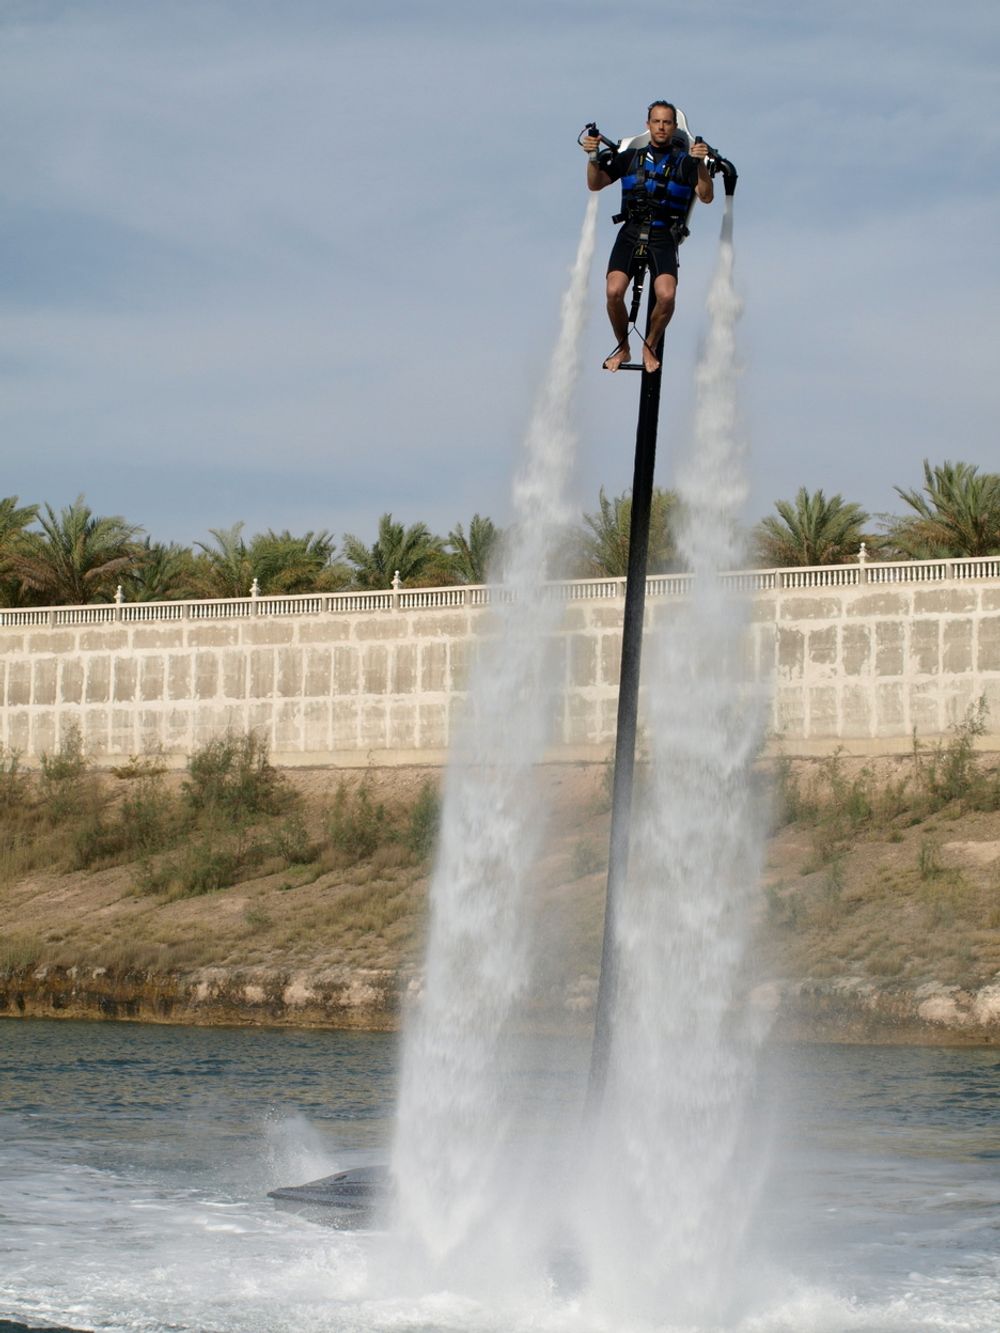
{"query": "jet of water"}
pixel 453 1150
pixel 671 1165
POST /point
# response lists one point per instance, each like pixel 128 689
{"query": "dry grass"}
pixel 888 870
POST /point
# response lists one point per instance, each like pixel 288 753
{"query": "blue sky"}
pixel 298 264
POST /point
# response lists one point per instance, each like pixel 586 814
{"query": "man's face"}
pixel 661 125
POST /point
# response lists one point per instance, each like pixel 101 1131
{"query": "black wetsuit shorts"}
pixel 662 251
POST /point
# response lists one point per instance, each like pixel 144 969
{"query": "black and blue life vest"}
pixel 650 191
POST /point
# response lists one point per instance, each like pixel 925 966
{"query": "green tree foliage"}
pixel 77 557
pixel 284 563
pixel 279 561
pixel 811 530
pixel 414 551
pixel 470 556
pixel 225 568
pixel 603 544
pixel 13 521
pixel 161 574
pixel 958 513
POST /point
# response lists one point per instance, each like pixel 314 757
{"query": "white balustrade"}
pixel 866 571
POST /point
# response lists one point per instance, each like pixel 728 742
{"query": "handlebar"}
pixel 716 163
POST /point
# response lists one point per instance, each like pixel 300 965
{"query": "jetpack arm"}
pixel 719 165
pixel 601 157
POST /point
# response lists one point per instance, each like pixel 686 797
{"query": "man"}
pixel 657 185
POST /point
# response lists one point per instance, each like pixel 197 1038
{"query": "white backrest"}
pixel 641 140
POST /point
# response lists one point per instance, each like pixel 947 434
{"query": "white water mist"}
pixel 672 1168
pixel 453 1154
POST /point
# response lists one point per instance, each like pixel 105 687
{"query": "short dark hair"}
pixel 659 102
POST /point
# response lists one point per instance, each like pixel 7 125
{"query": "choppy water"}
pixel 135 1162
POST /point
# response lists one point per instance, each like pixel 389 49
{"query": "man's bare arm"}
pixel 597 177
pixel 705 187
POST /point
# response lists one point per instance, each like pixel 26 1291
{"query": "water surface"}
pixel 136 1162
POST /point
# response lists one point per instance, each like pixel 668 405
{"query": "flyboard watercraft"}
pixel 345 1199
pixel 681 140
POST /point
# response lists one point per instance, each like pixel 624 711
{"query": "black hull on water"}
pixel 11 1326
pixel 345 1199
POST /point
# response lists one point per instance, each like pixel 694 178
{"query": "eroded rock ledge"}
pixel 845 1009
pixel 338 998
pixel 853 1009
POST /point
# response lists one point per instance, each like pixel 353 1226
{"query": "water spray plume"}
pixel 453 1147
pixel 672 1174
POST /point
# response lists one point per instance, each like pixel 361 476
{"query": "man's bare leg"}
pixel 665 290
pixel 617 287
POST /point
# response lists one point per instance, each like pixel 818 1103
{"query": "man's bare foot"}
pixel 649 361
pixel 617 357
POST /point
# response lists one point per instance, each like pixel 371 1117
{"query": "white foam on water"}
pixel 459 1208
pixel 103 1250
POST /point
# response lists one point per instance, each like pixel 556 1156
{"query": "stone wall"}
pixel 865 667
pixel 857 666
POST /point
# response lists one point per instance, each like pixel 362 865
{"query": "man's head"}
pixel 661 121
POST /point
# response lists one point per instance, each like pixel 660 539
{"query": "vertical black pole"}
pixel 628 705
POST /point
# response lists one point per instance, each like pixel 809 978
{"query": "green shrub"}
pixel 952 771
pixel 292 843
pixel 424 822
pixel 147 815
pixel 204 867
pixel 153 878
pixel 142 824
pixel 357 824
pixel 62 784
pixel 140 766
pixel 95 840
pixel 13 783
pixel 232 776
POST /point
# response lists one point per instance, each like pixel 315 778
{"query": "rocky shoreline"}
pixel 846 1009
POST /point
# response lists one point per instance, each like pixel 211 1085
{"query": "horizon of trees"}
pixel 76 556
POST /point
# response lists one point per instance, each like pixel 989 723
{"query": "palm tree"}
pixel 958 514
pixel 471 556
pixel 414 551
pixel 162 573
pixel 225 569
pixel 279 561
pixel 602 548
pixel 283 563
pixel 812 530
pixel 13 521
pixel 77 557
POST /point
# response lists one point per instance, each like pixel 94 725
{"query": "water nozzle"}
pixel 729 175
pixel 716 163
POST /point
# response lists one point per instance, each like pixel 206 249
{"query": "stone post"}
pixel 863 563
pixel 396 585
pixel 255 596
pixel 119 599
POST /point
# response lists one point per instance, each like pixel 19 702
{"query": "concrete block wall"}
pixel 866 666
pixel 855 666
